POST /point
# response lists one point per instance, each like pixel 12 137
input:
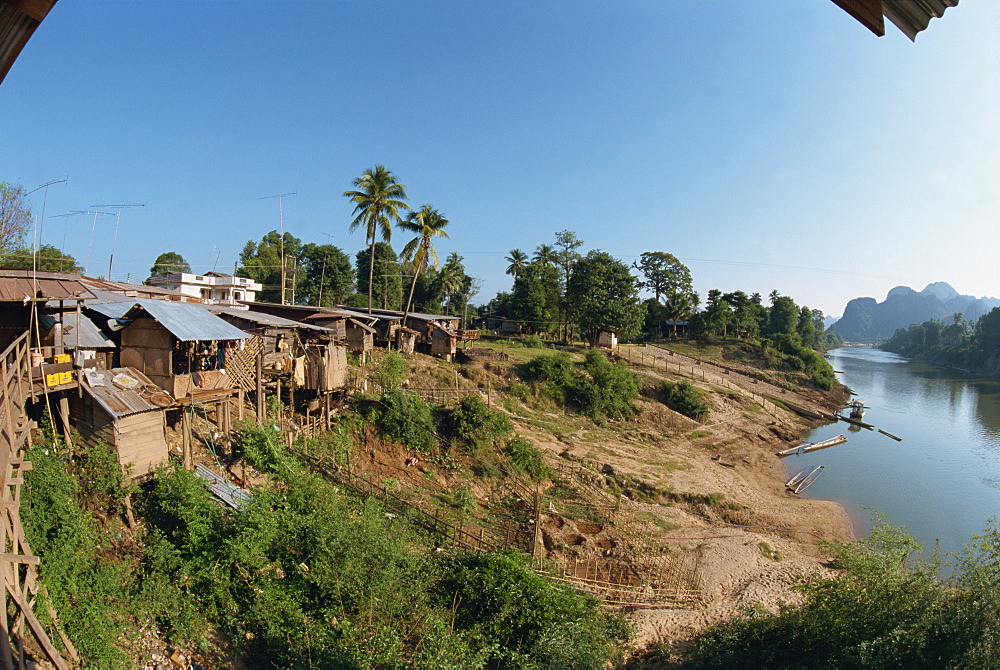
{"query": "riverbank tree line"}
pixel 970 346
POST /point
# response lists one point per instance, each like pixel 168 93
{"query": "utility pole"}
pixel 281 233
pixel 322 275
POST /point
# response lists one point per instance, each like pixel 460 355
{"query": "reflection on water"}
pixel 943 480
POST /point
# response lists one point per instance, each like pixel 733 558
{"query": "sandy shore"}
pixel 760 539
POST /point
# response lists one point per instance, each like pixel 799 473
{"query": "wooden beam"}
pixel 36 627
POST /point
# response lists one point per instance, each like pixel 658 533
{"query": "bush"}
pixel 474 426
pixel 684 399
pixel 533 342
pixel 610 390
pixel 556 368
pixel 527 459
pixel 529 621
pixel 391 371
pixel 406 418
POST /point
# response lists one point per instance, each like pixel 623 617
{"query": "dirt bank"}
pixel 725 499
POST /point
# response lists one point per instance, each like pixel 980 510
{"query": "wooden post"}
pixel 260 383
pixel 239 408
pixel 186 442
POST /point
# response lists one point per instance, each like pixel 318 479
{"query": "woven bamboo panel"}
pixel 241 366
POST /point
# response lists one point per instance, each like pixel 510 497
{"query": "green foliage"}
pixel 473 426
pixel 102 481
pixel 534 300
pixel 530 622
pixel 599 388
pixel 607 390
pixel 84 588
pixel 883 610
pixel 603 295
pixel 973 347
pixel 685 399
pixel 391 370
pixel 527 459
pixel 47 258
pixel 261 261
pixel 386 280
pixel 264 447
pixel 406 418
pixel 555 368
pixel 533 342
pixel 167 262
pixel 15 215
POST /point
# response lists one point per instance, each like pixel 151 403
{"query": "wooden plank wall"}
pixel 148 347
pixel 141 442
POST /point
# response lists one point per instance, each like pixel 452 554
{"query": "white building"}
pixel 213 288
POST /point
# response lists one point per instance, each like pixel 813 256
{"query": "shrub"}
pixel 684 399
pixel 264 447
pixel 527 459
pixel 533 342
pixel 406 418
pixel 529 621
pixel 474 426
pixel 609 392
pixel 391 371
pixel 555 368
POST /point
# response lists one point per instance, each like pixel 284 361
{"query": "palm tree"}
pixel 452 277
pixel 427 222
pixel 377 204
pixel 546 255
pixel 518 261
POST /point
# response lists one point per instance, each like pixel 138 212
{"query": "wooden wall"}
pixel 139 439
pixel 148 347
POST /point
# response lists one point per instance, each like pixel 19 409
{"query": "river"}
pixel 942 482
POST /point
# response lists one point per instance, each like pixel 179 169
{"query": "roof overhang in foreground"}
pixel 18 20
pixel 910 16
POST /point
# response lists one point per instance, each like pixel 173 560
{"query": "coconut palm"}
pixel 546 255
pixel 518 261
pixel 427 223
pixel 452 277
pixel 377 204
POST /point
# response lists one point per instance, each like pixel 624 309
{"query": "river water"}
pixel 942 482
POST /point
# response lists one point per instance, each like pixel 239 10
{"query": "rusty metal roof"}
pixel 188 322
pixel 24 286
pixel 262 318
pixel 910 16
pixel 119 402
pixel 18 20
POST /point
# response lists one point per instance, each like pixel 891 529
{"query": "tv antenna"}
pixel 281 235
pixel 118 217
pixel 92 227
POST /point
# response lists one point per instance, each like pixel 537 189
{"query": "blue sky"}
pixel 768 145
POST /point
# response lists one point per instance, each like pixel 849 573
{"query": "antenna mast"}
pixel 281 238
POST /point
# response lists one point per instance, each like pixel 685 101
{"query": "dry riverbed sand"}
pixel 758 539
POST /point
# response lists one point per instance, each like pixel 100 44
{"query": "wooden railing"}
pixel 17 562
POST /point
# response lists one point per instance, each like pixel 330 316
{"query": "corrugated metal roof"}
pixel 261 318
pixel 912 16
pixel 119 402
pixel 86 334
pixel 188 322
pixel 21 286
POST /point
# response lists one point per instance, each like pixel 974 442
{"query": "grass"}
pixel 698 434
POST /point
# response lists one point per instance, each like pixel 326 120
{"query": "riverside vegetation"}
pixel 309 576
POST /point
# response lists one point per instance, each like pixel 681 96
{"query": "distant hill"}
pixel 866 320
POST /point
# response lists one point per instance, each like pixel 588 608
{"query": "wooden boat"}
pixel 794 481
pixel 809 479
pixel 806 447
pixel 857 409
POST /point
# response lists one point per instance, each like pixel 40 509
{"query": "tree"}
pixel 783 317
pixel 663 274
pixel 567 243
pixel 452 282
pixel 15 215
pixel 377 205
pixel 807 327
pixel 167 262
pixel 261 262
pixel 534 300
pixel 605 297
pixel 387 284
pixel 518 261
pixel 46 259
pixel 545 254
pixel 427 223
pixel 328 278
